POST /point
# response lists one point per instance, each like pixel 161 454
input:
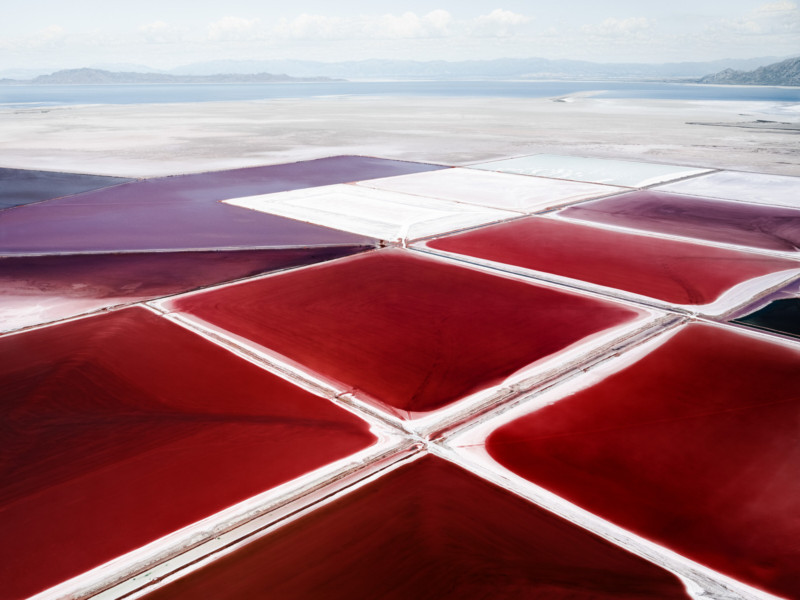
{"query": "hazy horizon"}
pixel 167 35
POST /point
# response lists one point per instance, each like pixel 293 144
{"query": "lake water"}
pixel 59 95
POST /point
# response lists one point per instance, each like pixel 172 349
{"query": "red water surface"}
pixel 410 332
pixel 428 530
pixel 694 446
pixel 184 212
pixel 668 270
pixel 754 225
pixel 121 428
pixel 83 282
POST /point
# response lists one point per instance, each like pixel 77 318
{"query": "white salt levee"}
pixel 488 188
pixel 594 170
pixel 778 190
pixel 18 310
pixel 384 215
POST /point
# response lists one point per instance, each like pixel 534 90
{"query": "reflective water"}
pixel 43 95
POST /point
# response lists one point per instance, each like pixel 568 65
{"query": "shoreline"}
pixel 146 140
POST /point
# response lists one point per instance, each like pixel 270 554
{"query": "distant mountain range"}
pixel 100 76
pixel 765 71
pixel 505 68
pixel 786 72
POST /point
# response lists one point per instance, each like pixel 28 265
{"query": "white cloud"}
pixel 777 8
pixel 52 32
pixel 311 27
pixel 741 26
pixel 774 18
pixel 159 32
pixel 618 27
pixel 772 28
pixel 779 17
pixel 233 28
pixel 409 25
pixel 49 36
pixel 440 19
pixel 498 23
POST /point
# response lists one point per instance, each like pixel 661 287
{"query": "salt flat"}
pixel 163 139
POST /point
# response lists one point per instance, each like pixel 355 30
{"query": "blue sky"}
pixel 163 34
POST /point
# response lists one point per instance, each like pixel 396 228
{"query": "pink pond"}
pixel 753 225
pixel 693 446
pixel 428 530
pixel 410 333
pixel 38 289
pixel 121 428
pixel 667 270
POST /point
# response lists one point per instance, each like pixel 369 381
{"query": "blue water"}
pixel 58 95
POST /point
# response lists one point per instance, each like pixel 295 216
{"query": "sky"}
pixel 167 33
